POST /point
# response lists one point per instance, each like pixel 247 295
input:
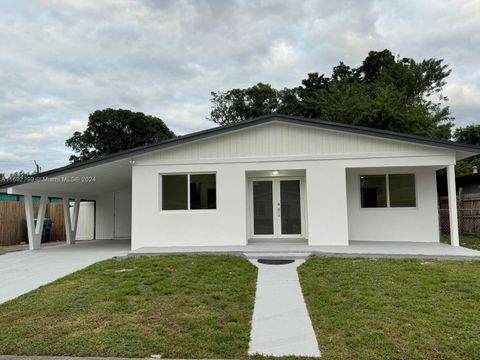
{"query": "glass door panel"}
pixel 263 208
pixel 291 214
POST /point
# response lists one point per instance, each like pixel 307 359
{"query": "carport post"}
pixel 34 232
pixel 452 205
pixel 70 221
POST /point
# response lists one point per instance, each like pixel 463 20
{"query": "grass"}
pixel 173 306
pixel 201 307
pixel 471 242
pixel 394 308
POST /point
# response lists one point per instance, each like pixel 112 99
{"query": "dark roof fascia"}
pixel 251 122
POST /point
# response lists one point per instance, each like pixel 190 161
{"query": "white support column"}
pixel 452 205
pixel 71 222
pixel 35 232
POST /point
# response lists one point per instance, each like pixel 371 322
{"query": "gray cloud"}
pixel 61 60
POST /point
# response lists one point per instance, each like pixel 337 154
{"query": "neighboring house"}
pixel 273 178
pixel 470 184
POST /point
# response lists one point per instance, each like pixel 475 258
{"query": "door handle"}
pixel 279 209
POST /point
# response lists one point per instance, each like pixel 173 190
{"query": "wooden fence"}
pixel 468 206
pixel 55 213
pixel 13 225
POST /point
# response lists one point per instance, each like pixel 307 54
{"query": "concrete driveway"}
pixel 24 271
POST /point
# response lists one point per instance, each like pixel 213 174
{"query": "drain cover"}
pixel 275 261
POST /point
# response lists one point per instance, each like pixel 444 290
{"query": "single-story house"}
pixel 269 179
pixel 469 185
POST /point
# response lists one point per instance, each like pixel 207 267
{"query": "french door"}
pixel 276 208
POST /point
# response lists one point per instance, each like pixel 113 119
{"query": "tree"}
pixel 17 176
pixel 110 131
pixel 240 104
pixel 397 94
pixel 469 135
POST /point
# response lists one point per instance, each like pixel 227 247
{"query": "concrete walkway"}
pixel 23 271
pixel 281 325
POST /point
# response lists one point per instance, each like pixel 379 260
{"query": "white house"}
pixel 271 179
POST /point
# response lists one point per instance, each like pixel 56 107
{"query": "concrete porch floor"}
pixel 355 249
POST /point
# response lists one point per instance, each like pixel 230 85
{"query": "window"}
pixel 189 192
pixel 374 191
pixel 402 190
pixel 174 192
pixel 392 191
pixel 203 192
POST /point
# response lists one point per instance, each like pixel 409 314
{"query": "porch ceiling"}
pixel 94 180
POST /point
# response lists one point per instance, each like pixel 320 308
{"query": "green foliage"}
pixel 110 131
pixel 384 93
pixel 241 104
pixel 468 135
pixel 465 167
pixel 17 176
pixel 468 241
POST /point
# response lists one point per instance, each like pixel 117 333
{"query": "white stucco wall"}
pixel 123 214
pixel 227 225
pixel 322 155
pixel 86 220
pixel 327 203
pixel 104 215
pixel 394 224
pixel 113 215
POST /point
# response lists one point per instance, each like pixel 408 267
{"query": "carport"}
pixel 106 180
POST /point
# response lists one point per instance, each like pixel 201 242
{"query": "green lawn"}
pixel 173 306
pixel 394 308
pixel 201 307
pixel 472 242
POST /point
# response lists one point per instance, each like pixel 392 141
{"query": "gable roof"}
pixel 253 122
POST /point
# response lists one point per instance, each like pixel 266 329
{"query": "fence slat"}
pixel 468 215
pixel 13 227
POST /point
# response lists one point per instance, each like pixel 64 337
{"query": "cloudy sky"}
pixel 61 60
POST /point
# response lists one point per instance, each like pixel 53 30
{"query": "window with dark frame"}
pixel 189 192
pixel 203 191
pixel 373 191
pixel 388 191
pixel 402 190
pixel 174 192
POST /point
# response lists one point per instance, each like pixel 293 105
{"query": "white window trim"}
pixel 387 192
pixel 188 209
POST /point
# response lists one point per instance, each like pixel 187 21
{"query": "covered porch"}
pixel 398 204
pixel 366 202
